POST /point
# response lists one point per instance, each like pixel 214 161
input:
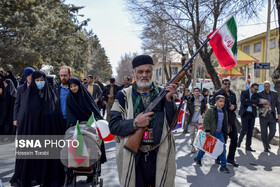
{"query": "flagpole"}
pixel 212 35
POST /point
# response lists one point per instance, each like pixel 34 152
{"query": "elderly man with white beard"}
pixel 148 167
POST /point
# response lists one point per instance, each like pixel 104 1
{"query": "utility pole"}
pixel 267 35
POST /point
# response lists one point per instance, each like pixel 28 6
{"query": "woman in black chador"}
pixel 11 76
pixel 39 115
pixel 7 100
pixel 80 106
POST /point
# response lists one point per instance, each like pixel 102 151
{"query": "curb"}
pixel 257 134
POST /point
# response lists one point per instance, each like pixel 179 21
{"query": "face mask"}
pixel 40 84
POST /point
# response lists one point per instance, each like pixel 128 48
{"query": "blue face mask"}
pixel 40 84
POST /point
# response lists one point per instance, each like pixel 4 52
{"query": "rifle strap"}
pixel 173 124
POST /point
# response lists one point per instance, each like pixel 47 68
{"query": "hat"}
pixel 28 71
pixel 142 60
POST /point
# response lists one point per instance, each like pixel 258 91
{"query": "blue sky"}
pixel 112 24
pixel 119 35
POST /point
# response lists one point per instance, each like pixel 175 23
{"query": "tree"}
pixel 99 64
pixel 125 67
pixel 36 32
pixel 195 18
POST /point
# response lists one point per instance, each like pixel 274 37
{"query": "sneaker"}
pixel 198 162
pixel 224 169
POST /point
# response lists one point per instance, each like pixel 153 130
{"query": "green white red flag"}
pixel 79 150
pixel 224 43
pixel 91 121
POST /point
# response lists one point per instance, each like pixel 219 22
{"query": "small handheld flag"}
pixel 79 151
pixel 104 131
pixel 91 121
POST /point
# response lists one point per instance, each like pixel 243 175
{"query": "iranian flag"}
pixel 224 43
pixel 91 121
pixel 79 151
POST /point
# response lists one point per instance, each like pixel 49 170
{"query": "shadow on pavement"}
pixel 247 159
pixel 268 160
pixel 213 178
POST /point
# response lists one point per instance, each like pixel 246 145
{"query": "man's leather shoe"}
pixel 238 144
pixel 250 149
pixel 198 162
pixel 232 162
pixel 266 150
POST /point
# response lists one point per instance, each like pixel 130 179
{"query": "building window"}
pixel 257 73
pixel 257 47
pixel 159 71
pixel 272 43
pixel 246 49
pixel 271 70
pixel 174 70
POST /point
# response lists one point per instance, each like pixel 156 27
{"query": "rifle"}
pixel 134 140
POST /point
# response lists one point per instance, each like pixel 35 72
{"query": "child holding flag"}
pixel 215 124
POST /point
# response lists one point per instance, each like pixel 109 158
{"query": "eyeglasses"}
pixel 227 84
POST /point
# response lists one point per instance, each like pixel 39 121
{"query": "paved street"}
pixel 256 169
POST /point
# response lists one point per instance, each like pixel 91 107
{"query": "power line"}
pixel 255 24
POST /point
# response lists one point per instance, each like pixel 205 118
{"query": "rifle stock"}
pixel 134 140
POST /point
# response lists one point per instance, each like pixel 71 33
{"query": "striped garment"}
pixel 166 157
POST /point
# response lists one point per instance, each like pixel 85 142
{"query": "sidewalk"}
pixel 257 131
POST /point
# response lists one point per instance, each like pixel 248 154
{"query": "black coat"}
pixel 96 91
pixel 274 101
pixel 100 85
pixel 246 101
pixel 106 91
pixel 229 100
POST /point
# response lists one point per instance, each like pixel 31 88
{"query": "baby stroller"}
pixel 81 166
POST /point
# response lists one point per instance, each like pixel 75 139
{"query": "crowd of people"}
pixel 220 118
pixel 40 107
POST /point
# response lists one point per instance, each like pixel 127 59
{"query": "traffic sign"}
pixel 261 65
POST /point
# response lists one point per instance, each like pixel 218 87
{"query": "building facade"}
pixel 255 46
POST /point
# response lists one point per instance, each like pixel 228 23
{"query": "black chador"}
pixel 80 106
pixel 39 115
pixel 7 100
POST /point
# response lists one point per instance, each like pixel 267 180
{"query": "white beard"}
pixel 143 85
